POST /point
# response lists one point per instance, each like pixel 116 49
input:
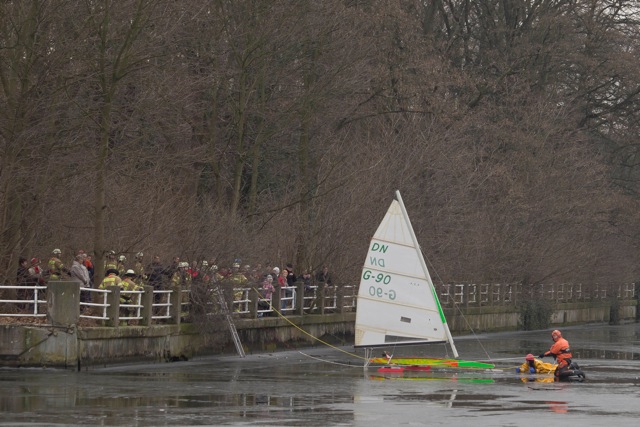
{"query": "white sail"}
pixel 397 303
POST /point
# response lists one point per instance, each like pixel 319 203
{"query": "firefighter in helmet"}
pixel 55 267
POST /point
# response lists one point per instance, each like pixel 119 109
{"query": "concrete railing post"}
pixel 465 294
pixel 636 295
pixel 176 304
pixel 339 299
pixel 299 297
pixel 147 305
pixel 230 297
pixel 254 297
pixel 113 310
pixel 63 303
pixel 275 298
pixel 322 292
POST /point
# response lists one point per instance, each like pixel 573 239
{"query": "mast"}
pixel 426 272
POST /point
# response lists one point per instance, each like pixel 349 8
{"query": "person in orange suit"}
pixel 562 353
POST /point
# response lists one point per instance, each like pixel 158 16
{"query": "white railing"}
pixel 131 306
pixel 484 293
pixel 162 308
pixel 349 296
pixel 309 298
pixel 241 300
pixel 29 301
pixel 30 305
pixel 87 309
pixel 330 297
pixel 264 306
pixel 487 294
pixel 288 299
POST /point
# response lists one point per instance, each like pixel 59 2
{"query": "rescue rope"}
pixel 307 333
pixel 353 354
pixel 331 362
pixel 457 307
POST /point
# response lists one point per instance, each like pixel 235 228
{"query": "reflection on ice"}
pixel 290 388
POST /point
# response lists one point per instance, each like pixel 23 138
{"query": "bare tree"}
pixel 30 96
pixel 276 131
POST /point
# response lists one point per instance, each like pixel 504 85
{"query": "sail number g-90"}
pixel 379 278
pixel 375 291
pixel 383 279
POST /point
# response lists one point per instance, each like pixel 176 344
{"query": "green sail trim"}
pixel 435 297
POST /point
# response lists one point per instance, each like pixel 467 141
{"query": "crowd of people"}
pixel 131 275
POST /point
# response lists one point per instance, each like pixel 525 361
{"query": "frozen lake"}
pixel 326 386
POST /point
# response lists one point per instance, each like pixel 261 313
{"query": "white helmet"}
pixel 205 263
pixel 57 251
pixel 122 258
pixel 139 255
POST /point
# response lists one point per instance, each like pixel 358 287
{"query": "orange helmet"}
pixel 556 335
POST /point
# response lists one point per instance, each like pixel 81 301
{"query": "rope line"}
pixel 364 358
pixel 331 362
pixel 307 333
pixel 457 307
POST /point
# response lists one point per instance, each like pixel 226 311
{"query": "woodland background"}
pixel 276 131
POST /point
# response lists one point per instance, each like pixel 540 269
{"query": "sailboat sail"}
pixel 397 302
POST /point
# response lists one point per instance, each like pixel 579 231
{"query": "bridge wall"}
pixel 67 346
